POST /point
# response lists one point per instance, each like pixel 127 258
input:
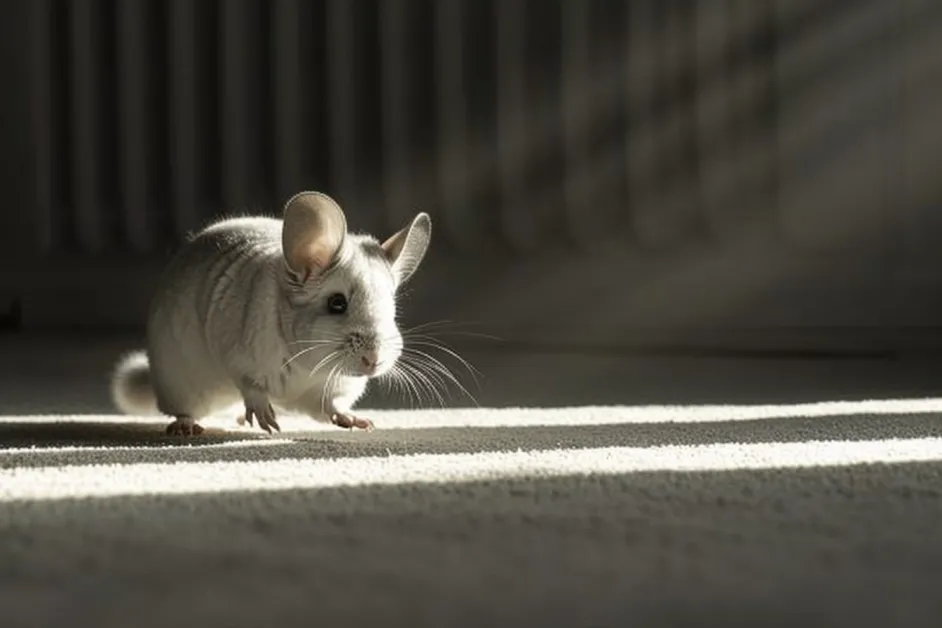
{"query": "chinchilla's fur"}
pixel 296 314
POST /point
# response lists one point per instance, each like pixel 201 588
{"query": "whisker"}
pixel 327 340
pixel 429 369
pixel 436 365
pixel 429 325
pixel 298 355
pixel 407 386
pixel 328 387
pixel 446 349
pixel 472 334
pixel 436 371
pixel 426 382
pixel 419 387
pixel 404 385
pixel 323 361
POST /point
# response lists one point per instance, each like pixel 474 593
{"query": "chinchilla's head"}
pixel 340 288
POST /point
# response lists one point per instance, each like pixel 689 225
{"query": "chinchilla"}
pixel 294 313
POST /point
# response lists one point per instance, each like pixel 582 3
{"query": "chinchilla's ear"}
pixel 406 248
pixel 313 231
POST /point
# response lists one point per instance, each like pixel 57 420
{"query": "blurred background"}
pixel 616 186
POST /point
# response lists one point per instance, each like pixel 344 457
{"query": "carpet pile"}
pixel 828 514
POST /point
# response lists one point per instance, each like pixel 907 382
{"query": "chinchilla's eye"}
pixel 336 303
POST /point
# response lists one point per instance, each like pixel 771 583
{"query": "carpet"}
pixel 826 514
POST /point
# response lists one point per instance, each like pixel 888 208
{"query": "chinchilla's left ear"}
pixel 406 249
pixel 313 232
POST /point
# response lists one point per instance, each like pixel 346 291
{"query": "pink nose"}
pixel 369 360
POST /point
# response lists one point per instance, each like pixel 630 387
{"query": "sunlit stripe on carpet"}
pixel 577 415
pixel 197 477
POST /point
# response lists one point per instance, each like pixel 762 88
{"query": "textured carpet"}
pixel 823 514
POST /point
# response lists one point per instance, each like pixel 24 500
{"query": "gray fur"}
pixel 230 319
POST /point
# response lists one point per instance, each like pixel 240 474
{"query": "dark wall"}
pixel 17 232
pixel 599 172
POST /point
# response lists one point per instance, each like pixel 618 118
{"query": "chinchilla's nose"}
pixel 370 359
pixel 367 350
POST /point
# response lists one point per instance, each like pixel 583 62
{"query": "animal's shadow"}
pixel 92 433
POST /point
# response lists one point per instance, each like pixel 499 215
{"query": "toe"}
pixel 271 418
pixel 363 424
pixel 351 422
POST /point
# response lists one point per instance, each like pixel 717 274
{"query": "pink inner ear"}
pixel 314 259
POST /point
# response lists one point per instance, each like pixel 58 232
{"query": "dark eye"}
pixel 336 303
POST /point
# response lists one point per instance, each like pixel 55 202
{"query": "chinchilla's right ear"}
pixel 312 234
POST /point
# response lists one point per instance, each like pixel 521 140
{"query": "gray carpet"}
pixel 656 513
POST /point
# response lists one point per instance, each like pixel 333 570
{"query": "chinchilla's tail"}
pixel 131 389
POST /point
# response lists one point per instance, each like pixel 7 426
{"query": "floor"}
pixel 585 491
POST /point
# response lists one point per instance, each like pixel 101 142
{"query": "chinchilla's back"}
pixel 209 283
pixel 222 253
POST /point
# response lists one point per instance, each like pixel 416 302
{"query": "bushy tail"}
pixel 131 389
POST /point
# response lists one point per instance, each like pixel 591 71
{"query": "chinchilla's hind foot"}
pixel 184 426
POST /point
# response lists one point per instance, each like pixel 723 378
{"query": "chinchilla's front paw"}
pixel 349 421
pixel 262 410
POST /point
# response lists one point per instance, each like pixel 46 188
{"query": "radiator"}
pixel 522 124
pixel 756 164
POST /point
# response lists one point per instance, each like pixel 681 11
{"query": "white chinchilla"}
pixel 296 313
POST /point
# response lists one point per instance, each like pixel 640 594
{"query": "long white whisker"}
pixel 314 341
pixel 472 334
pixel 429 369
pixel 323 362
pixel 414 382
pixel 428 325
pixel 298 355
pixel 328 386
pixel 437 366
pixel 427 382
pixel 401 382
pixel 446 349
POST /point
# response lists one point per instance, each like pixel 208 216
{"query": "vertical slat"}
pixel 512 136
pixel 834 130
pixel 453 119
pixel 577 118
pixel 342 91
pixel 714 35
pixel 86 149
pixel 640 138
pixel 286 40
pixel 234 116
pixel 915 222
pixel 751 141
pixel 44 125
pixel 396 82
pixel 687 202
pixel 133 166
pixel 672 210
pixel 766 170
pixel 183 85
